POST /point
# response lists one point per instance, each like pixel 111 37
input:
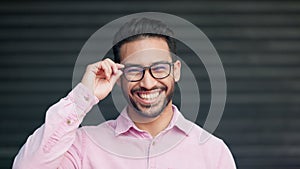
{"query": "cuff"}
pixel 83 98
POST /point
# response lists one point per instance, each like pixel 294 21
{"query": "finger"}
pixel 97 67
pixel 115 77
pixel 112 64
pixel 119 66
pixel 114 68
pixel 109 70
pixel 103 68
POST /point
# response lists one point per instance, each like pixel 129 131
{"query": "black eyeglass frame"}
pixel 171 64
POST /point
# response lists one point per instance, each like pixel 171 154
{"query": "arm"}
pixel 51 145
pixel 46 147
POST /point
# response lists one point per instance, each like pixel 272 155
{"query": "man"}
pixel 149 133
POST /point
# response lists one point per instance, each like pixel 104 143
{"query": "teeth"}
pixel 149 96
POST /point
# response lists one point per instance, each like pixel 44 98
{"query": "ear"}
pixel 177 70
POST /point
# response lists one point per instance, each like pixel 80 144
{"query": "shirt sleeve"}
pixel 51 145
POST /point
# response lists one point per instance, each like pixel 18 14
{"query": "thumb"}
pixel 116 76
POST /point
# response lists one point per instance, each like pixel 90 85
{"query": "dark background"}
pixel 257 41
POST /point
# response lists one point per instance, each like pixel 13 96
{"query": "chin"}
pixel 151 111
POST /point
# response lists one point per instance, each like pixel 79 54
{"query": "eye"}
pixel 160 67
pixel 133 70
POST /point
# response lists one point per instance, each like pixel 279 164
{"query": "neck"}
pixel 152 125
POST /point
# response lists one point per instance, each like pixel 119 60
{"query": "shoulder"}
pixel 206 140
pixel 213 146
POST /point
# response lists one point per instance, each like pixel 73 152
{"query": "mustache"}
pixel 142 89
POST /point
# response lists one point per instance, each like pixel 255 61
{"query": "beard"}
pixel 152 110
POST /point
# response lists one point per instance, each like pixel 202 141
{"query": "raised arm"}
pixel 52 145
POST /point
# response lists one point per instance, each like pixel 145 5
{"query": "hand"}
pixel 100 77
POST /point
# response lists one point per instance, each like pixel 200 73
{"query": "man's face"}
pixel 149 96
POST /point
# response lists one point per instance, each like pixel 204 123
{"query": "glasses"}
pixel 159 70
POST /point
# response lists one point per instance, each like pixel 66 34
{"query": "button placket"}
pixel 152 158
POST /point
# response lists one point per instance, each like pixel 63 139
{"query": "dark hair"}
pixel 140 28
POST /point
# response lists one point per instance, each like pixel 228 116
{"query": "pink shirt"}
pixel 117 144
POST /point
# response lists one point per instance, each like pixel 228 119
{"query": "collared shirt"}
pixel 117 144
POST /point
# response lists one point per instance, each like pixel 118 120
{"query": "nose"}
pixel 148 81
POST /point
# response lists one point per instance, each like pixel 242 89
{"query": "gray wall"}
pixel 257 41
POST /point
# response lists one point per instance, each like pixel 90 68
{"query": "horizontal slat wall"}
pixel 258 43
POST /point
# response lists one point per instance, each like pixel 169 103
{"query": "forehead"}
pixel 145 51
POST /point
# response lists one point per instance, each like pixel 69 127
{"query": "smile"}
pixel 148 97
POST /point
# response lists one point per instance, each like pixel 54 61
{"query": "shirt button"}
pixel 69 122
pixel 86 98
pixel 153 143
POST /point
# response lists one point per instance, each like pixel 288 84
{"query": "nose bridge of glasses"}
pixel 148 80
pixel 147 72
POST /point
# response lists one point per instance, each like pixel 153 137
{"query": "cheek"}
pixel 126 87
pixel 169 83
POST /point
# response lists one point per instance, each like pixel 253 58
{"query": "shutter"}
pixel 257 41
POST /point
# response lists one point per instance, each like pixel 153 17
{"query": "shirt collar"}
pixel 124 123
